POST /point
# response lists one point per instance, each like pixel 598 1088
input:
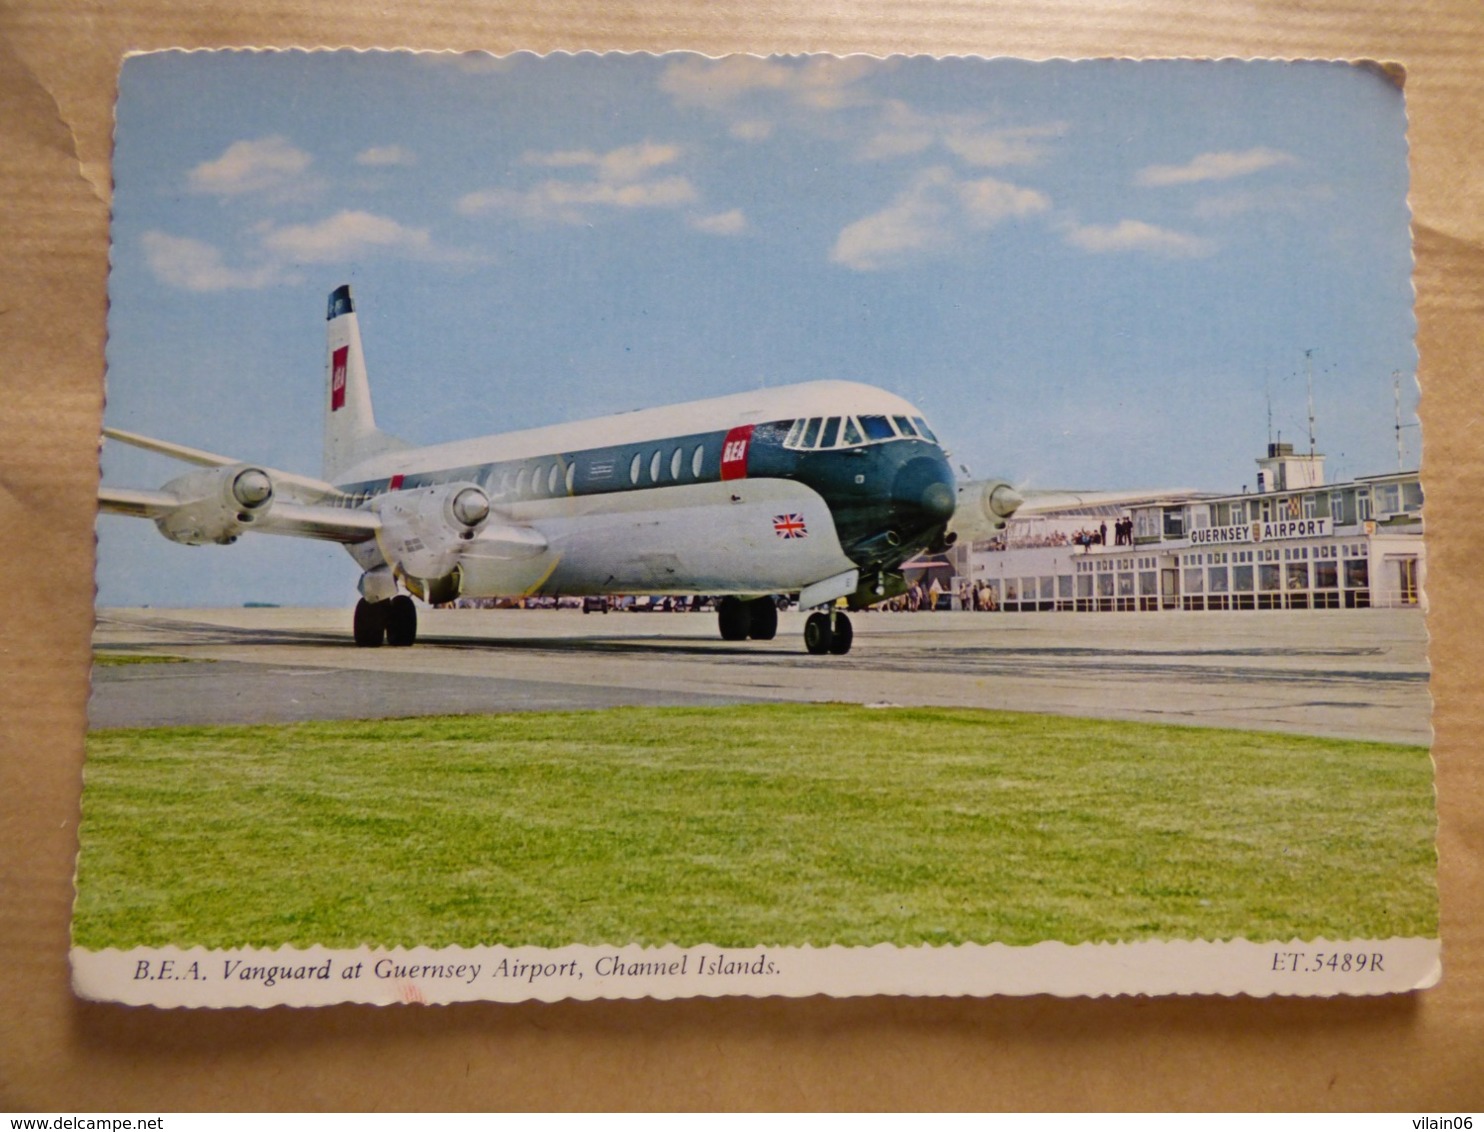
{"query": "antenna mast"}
pixel 1396 398
pixel 1267 388
pixel 1309 373
pixel 1396 394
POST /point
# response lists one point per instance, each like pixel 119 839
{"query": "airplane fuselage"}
pixel 818 492
pixel 760 493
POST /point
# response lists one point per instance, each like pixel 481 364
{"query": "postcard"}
pixel 605 526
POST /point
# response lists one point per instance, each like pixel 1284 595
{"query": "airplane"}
pixel 817 492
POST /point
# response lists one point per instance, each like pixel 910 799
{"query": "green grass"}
pixel 775 824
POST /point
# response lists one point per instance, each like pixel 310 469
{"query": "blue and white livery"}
pixel 818 491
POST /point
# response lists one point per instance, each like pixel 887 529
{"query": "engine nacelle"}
pixel 984 507
pixel 216 505
pixel 425 530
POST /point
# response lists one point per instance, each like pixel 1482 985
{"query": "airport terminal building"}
pixel 1295 542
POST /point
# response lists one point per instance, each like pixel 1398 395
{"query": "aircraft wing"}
pixel 1037 502
pixel 333 524
pixel 303 487
pixel 227 498
pixel 985 506
pixel 205 513
pixel 138 504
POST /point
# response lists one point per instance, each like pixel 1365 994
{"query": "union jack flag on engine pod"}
pixel 790 526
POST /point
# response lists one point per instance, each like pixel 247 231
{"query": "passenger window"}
pixel 811 433
pixel 695 461
pixel 571 477
pixel 654 467
pixel 831 433
pixel 520 482
pixel 877 428
pixel 851 433
pixel 634 469
pixel 555 477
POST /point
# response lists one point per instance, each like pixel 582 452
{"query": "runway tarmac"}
pixel 1356 674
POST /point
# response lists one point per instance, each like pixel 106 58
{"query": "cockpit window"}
pixel 848 432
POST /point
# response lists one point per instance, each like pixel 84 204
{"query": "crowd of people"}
pixel 1086 538
pixel 1123 534
pixel 1053 538
pixel 919 598
pixel 923 598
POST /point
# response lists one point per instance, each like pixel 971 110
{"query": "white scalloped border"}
pixel 166 977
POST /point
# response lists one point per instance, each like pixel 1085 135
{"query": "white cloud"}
pixel 1214 167
pixel 903 131
pixel 730 223
pixel 470 62
pixel 573 202
pixel 351 235
pixel 1293 201
pixel 1137 236
pixel 620 179
pixel 1019 145
pixel 386 155
pixel 196 266
pixel 626 163
pixel 888 144
pixel 716 82
pixel 820 84
pixel 751 129
pixel 265 165
pixel 929 217
pixel 275 251
pixel 988 201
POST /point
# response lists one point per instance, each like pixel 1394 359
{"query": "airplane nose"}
pixel 922 493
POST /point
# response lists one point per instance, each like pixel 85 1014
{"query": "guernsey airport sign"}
pixel 1263 531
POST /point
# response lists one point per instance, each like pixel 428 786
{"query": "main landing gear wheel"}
pixel 734 618
pixel 828 633
pixel 763 619
pixel 739 619
pixel 391 622
pixel 369 625
pixel 401 622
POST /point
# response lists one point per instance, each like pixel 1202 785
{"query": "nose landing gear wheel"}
pixel 817 635
pixel 842 636
pixel 828 633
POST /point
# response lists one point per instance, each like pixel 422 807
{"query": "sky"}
pixel 1099 274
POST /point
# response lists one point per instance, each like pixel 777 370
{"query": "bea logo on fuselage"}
pixel 734 452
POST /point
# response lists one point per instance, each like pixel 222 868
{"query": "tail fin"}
pixel 351 434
